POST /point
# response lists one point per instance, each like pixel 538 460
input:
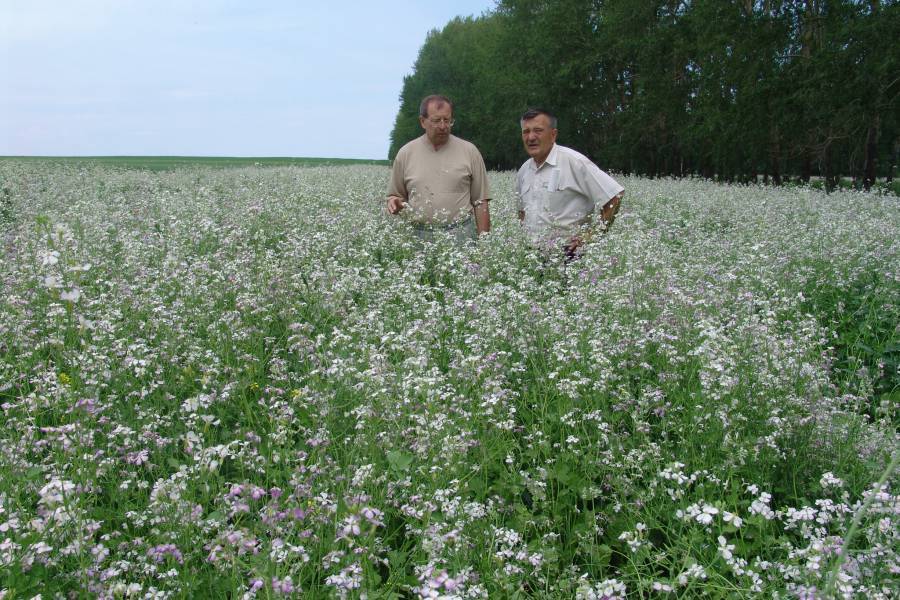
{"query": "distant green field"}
pixel 167 163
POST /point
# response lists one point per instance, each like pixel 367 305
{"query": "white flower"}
pixel 829 480
pixel 610 589
pixel 706 516
pixel 41 548
pixel 693 572
pixel 71 296
pixel 50 258
pixel 725 549
pixel 54 492
pixel 760 506
pixel 732 518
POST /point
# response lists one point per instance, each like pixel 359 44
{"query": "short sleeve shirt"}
pixel 561 195
pixel 441 186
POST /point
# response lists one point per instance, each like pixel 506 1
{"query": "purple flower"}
pixel 284 586
pixel 159 553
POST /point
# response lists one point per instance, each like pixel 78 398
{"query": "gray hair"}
pixel 533 112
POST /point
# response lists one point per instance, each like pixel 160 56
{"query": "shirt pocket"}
pixel 555 195
pixel 562 189
pixel 553 182
pixel 566 181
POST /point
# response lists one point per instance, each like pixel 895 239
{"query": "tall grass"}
pixel 252 383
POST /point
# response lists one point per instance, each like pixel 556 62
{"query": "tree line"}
pixel 738 90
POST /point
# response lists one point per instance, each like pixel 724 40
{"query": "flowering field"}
pixel 252 383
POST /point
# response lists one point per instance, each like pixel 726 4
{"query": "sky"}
pixel 209 77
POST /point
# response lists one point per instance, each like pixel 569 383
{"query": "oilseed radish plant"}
pixel 252 382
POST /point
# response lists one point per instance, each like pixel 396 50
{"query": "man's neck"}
pixel 437 147
pixel 539 163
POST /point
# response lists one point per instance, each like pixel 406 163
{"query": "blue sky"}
pixel 209 77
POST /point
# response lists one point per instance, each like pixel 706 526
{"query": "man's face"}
pixel 538 137
pixel 438 122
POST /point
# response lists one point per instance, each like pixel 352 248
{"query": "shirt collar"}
pixel 550 160
pixel 427 142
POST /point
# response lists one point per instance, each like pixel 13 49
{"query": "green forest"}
pixel 736 90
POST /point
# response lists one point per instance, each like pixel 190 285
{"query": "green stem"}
pixel 854 526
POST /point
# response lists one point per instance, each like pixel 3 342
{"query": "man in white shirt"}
pixel 558 189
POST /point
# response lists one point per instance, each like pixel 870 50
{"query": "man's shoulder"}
pixel 526 167
pixel 410 146
pixel 464 145
pixel 572 154
pixel 576 162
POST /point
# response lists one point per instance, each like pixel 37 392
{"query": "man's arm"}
pixel 610 209
pixel 595 183
pixel 479 191
pixel 397 195
pixel 520 204
pixel 482 217
pixel 607 216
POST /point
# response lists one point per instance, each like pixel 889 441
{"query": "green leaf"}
pixel 601 555
pixel 562 472
pixel 477 486
pixel 215 516
pixel 399 461
pixel 397 558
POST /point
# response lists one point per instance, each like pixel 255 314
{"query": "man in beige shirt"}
pixel 438 181
pixel 558 189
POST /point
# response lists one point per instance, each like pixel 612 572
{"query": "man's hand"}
pixel 574 244
pixel 395 204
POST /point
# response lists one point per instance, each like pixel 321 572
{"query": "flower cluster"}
pixel 252 383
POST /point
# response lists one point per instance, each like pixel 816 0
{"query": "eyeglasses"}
pixel 447 122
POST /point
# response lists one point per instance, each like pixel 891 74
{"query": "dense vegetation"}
pixel 252 383
pixel 733 89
